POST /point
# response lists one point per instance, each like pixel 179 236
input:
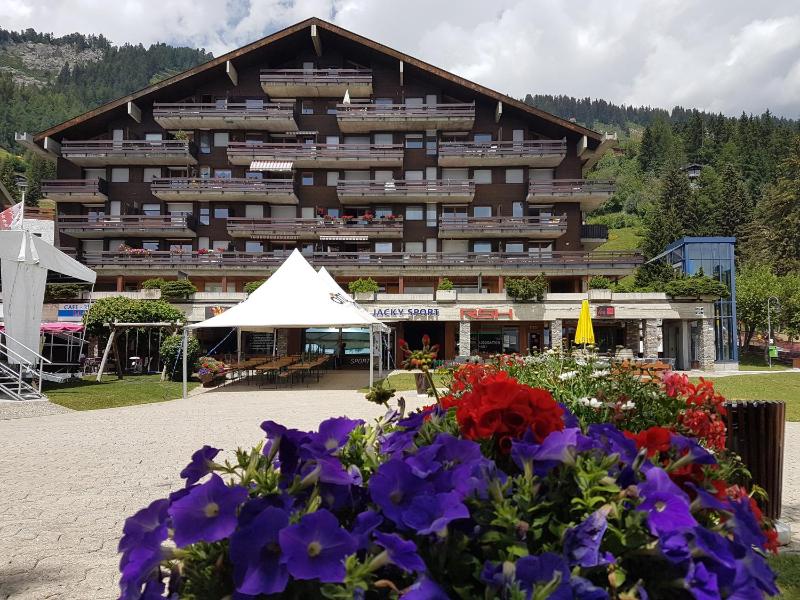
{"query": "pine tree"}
pixel 736 209
pixel 7 177
pixel 710 203
pixel 39 169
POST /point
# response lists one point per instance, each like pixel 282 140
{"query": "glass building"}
pixel 715 256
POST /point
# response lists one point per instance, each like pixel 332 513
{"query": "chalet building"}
pixel 373 164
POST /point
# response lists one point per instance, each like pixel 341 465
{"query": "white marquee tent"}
pixel 24 261
pixel 295 296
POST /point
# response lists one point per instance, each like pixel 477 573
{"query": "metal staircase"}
pixel 13 375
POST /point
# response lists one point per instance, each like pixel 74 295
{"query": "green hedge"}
pixel 446 284
pixel 600 283
pixel 526 289
pixel 57 292
pixel 128 310
pixel 170 288
pixel 252 286
pixel 170 349
pixel 363 285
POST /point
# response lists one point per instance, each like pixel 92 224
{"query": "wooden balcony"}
pixel 363 118
pixel 535 228
pixel 318 156
pixel 371 263
pixel 532 153
pixel 122 226
pixel 590 194
pixel 445 191
pixel 75 190
pixel 318 83
pixel 593 236
pixel 100 153
pixel 273 191
pixel 226 116
pixel 321 228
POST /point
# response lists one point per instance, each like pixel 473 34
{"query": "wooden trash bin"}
pixel 756 432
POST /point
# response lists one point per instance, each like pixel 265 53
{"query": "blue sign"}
pixel 72 312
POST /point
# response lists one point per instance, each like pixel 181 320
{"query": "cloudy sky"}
pixel 717 55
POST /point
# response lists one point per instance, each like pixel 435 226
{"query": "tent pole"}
pixel 184 346
pixel 380 354
pixel 371 356
pixel 238 344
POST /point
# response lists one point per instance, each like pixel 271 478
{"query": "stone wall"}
pixel 282 342
pixel 556 333
pixel 652 338
pixel 464 333
pixel 632 336
pixel 706 351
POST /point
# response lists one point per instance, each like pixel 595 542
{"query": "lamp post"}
pixel 769 328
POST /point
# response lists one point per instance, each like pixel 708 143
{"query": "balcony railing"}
pixel 498 261
pixel 194 188
pixel 317 155
pixel 594 232
pixel 530 152
pixel 352 229
pixel 75 189
pixel 124 225
pixel 356 117
pixel 316 82
pixel 590 194
pixel 109 152
pixel 459 190
pixel 544 227
pixel 274 116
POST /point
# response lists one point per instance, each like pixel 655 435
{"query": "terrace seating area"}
pixel 276 371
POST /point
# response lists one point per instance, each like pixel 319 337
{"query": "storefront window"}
pixel 494 340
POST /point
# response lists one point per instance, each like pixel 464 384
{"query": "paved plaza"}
pixel 68 481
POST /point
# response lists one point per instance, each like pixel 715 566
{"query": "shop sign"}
pixel 72 312
pixel 605 311
pixel 405 312
pixel 485 314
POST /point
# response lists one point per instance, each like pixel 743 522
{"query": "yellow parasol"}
pixel 584 334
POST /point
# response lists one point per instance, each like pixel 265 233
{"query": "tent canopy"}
pixel 295 296
pixel 24 247
pixel 335 288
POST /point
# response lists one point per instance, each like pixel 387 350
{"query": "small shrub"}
pixel 177 289
pixel 252 286
pixel 696 286
pixel 56 292
pixel 153 284
pixel 170 351
pixel 363 285
pixel 128 310
pixel 600 283
pixel 526 289
pixel 445 284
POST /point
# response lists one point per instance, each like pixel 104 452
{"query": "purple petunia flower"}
pixel 415 420
pixel 332 435
pixel 207 513
pixel 316 547
pixel 393 486
pixel 533 571
pixel 715 549
pixel 583 589
pixel 707 501
pixel 557 448
pixel 699 455
pixel 424 589
pixel 140 545
pixel 432 513
pixel 744 525
pixel 402 553
pixel 666 505
pixel 701 582
pixel 397 442
pixel 288 441
pixel 610 440
pixel 582 542
pixel 364 524
pixel 675 546
pixel 200 465
pixel 752 572
pixel 256 555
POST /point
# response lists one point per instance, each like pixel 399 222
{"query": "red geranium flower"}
pixel 655 439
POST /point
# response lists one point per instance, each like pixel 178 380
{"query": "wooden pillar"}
pixel 120 283
pixel 224 283
pixel 501 283
pixel 400 285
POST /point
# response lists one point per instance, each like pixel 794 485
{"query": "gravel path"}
pixel 12 409
pixel 68 481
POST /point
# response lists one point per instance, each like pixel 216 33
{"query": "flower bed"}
pixel 497 491
pixel 210 370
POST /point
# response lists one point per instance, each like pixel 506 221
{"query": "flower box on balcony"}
pixel 446 295
pixel 602 294
pixel 365 296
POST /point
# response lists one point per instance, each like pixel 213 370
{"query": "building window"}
pixel 482 247
pixel 431 147
pixel 203 243
pixel 307 178
pixel 414 213
pixel 213 286
pixel 384 139
pixel 205 218
pixel 413 141
pixel 482 175
pixel 221 139
pixel 515 247
pixel 222 173
pixel 331 108
pixel 413 175
pixel 184 247
pixel 430 216
pixel 151 245
pixel 151 173
pixel 518 209
pixel 120 175
pixel 513 175
pixel 431 245
pixel 253 175
pixel 221 212
pixel 455 174
pixel 454 213
pixel 221 245
pixel 382 212
pixel 151 209
pixel 383 247
pixel 482 138
pixel 307 107
pixel 253 246
pixel 415 247
pixel 205 143
pixel 333 212
pixel 482 211
pixel 332 178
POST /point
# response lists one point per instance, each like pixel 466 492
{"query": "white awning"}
pixel 271 165
pixel 344 238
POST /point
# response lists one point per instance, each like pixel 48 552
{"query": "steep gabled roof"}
pixel 326 26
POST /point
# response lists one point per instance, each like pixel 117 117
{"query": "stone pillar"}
pixel 282 341
pixel 501 284
pixel 707 352
pixel 120 283
pixel 686 347
pixel 464 333
pixel 224 283
pixel 400 285
pixel 632 336
pixel 556 334
pixel 652 336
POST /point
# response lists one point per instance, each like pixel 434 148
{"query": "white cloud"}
pixel 720 55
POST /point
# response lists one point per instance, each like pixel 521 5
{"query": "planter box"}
pixel 604 295
pixel 446 295
pixel 365 297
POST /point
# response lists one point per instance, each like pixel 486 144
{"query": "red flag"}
pixel 11 218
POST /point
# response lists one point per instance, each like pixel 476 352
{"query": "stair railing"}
pixel 24 362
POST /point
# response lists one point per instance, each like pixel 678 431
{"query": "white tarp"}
pixel 332 286
pixel 24 262
pixel 293 297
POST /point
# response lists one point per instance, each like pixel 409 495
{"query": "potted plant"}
pixel 421 359
pixel 363 289
pixel 210 371
pixel 446 291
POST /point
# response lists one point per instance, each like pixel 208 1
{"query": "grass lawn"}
pixel 754 361
pixel 775 386
pixel 626 238
pixel 88 394
pixel 787 566
pixel 404 382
